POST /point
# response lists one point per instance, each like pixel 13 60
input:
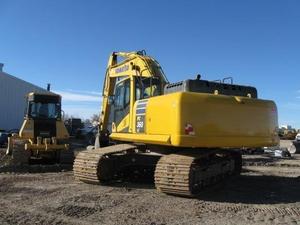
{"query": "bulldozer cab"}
pixel 43 107
pixel 43 117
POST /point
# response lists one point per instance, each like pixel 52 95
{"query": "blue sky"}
pixel 67 43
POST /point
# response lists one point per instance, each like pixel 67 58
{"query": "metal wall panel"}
pixel 13 93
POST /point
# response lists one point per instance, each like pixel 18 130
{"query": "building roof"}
pixel 10 78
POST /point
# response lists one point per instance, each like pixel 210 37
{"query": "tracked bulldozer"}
pixel 188 133
pixel 43 137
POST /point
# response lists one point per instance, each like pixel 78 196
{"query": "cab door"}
pixel 121 107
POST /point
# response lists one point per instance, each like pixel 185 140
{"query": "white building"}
pixel 13 93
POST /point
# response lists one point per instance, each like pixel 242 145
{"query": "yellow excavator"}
pixel 43 136
pixel 189 133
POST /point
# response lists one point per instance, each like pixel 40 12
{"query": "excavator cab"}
pixel 120 107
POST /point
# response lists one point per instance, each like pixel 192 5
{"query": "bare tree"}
pixel 66 117
pixel 94 118
pixel 87 121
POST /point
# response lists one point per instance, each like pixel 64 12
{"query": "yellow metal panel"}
pixel 26 131
pixel 217 121
pixel 61 130
pixel 144 138
pixel 123 126
pixel 222 141
pixel 162 115
pixel 227 121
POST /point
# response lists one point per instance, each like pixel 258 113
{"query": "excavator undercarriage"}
pixel 181 172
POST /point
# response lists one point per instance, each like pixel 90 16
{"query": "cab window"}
pixel 147 87
pixel 44 110
pixel 122 94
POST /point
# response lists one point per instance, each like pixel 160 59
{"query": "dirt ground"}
pixel 267 192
